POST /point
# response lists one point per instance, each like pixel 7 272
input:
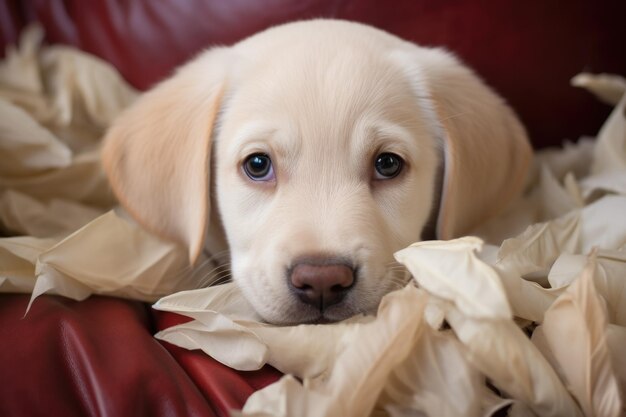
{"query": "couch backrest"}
pixel 527 50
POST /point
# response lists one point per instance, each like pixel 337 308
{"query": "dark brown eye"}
pixel 388 165
pixel 258 167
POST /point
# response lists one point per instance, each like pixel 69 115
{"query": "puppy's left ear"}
pixel 157 154
pixel 485 148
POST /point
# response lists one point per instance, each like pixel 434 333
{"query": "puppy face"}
pixel 327 141
pixel 323 124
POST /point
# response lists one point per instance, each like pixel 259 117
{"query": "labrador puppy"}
pixel 313 151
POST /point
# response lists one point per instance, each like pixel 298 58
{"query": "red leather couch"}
pixel 98 357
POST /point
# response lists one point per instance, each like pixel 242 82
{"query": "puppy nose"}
pixel 321 285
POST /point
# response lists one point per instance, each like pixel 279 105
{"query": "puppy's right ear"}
pixel 157 154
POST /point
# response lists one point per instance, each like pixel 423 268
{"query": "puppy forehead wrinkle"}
pixel 262 134
pixel 253 131
pixel 380 135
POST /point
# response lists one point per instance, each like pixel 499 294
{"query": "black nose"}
pixel 320 284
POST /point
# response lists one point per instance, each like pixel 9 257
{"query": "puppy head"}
pixel 325 157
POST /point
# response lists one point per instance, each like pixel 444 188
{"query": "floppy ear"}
pixel 485 147
pixel 157 154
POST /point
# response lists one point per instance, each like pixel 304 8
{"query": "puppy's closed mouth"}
pixel 322 320
pixel 333 315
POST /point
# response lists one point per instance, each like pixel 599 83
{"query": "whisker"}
pixel 216 273
pixel 216 254
pixel 398 276
pixel 217 268
pixel 218 281
pixel 190 272
pixel 206 271
pixel 219 274
pixel 399 281
pixel 454 116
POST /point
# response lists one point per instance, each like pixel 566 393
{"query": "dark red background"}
pixel 98 357
pixel 528 50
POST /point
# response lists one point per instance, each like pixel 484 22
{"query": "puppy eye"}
pixel 388 165
pixel 258 167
